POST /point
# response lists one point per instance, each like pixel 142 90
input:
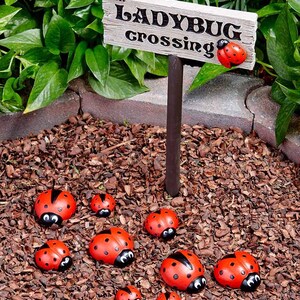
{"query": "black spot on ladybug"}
pixel 45 252
pixel 174 264
pixel 105 252
pixel 175 276
pixel 38 201
pixel 54 259
pixel 243 272
pixel 232 264
pixel 45 206
pixel 95 247
pixel 200 270
pixel 251 267
pixel 244 255
pixel 151 227
pixel 164 270
pixel 231 277
pixel 106 240
pixel 126 244
pixel 40 259
pixel 117 249
pixel 189 254
pixel 46 264
pixel 171 222
pixel 159 225
pixel 188 275
pixel 64 251
pixel 68 206
pixel 65 195
pixel 119 232
pixel 221 272
pixel 59 209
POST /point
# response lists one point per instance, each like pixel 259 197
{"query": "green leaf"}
pixel 45 3
pixel 25 74
pixel 283 120
pixel 59 36
pixel 78 67
pixel 120 84
pixel 38 56
pixel 10 2
pixel 119 53
pixel 50 83
pixel 137 67
pixel 6 13
pixel 161 66
pixel 207 72
pixel 6 64
pixel 97 11
pixel 292 94
pixel 79 3
pixel 23 41
pixel 295 4
pixel 97 26
pixel 97 60
pixel 10 99
pixel 271 9
pixel 147 57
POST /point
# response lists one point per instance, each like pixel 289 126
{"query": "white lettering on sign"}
pixel 187 30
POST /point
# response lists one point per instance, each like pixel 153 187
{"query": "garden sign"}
pixel 180 30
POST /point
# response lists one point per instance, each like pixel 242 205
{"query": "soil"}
pixel 237 193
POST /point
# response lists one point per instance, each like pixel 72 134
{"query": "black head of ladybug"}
pixel 65 264
pixel 168 234
pixel 197 285
pixel 222 43
pixel 48 219
pixel 124 259
pixel 251 282
pixel 103 213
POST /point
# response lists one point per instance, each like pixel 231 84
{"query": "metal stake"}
pixel 174 112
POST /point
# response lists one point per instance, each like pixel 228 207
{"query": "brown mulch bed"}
pixel 237 193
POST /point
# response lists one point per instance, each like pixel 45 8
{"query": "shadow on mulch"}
pixel 237 194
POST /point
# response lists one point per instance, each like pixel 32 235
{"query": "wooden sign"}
pixel 186 30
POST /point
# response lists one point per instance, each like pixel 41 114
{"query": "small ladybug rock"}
pixel 113 246
pixel 54 206
pixel 230 54
pixel 53 255
pixel 168 296
pixel 103 205
pixel 128 293
pixel 162 223
pixel 238 271
pixel 184 271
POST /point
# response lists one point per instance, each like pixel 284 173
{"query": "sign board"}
pixel 183 29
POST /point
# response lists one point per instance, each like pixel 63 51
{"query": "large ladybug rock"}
pixel 54 206
pixel 113 246
pixel 103 205
pixel 230 54
pixel 168 296
pixel 183 270
pixel 53 255
pixel 162 223
pixel 239 270
pixel 129 292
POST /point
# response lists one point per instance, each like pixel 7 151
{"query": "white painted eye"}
pixel 130 254
pixel 122 260
pixel 170 230
pixel 250 282
pixel 203 280
pixel 257 278
pixel 197 285
pixel 54 219
pixel 65 261
pixel 46 217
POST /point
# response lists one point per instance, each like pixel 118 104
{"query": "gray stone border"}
pixel 230 100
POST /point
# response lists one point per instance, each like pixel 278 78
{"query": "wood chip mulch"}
pixel 237 193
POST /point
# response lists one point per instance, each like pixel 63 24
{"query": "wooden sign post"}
pixel 180 30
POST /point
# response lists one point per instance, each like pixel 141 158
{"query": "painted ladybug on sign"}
pixel 53 255
pixel 129 292
pixel 54 206
pixel 113 246
pixel 230 54
pixel 184 271
pixel 168 296
pixel 238 271
pixel 162 223
pixel 103 205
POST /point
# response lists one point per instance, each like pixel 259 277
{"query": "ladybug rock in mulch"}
pixel 103 205
pixel 53 255
pixel 168 296
pixel 183 270
pixel 54 206
pixel 113 246
pixel 238 271
pixel 162 223
pixel 128 293
pixel 230 54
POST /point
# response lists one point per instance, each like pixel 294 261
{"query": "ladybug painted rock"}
pixel 168 296
pixel 230 54
pixel 129 292
pixel 103 205
pixel 54 206
pixel 238 271
pixel 53 255
pixel 162 223
pixel 113 246
pixel 184 271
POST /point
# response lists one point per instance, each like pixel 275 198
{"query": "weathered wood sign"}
pixel 186 30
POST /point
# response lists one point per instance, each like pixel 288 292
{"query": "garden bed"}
pixel 236 193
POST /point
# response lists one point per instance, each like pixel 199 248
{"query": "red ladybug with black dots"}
pixel 113 246
pixel 54 206
pixel 162 223
pixel 168 296
pixel 103 205
pixel 230 54
pixel 53 255
pixel 129 292
pixel 183 270
pixel 239 270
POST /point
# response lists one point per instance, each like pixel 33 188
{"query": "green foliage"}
pixel 278 53
pixel 46 44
